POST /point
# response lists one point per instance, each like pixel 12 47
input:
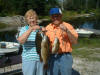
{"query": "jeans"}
pixel 32 68
pixel 60 64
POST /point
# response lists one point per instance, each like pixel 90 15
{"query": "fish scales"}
pixel 38 44
pixel 55 46
pixel 45 50
pixel 42 46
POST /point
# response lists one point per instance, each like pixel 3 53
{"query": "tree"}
pixel 21 6
pixel 97 4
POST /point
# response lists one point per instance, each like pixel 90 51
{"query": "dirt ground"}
pixel 80 67
pixel 85 67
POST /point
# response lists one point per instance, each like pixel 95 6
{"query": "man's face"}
pixel 56 19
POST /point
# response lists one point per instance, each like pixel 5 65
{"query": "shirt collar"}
pixel 54 26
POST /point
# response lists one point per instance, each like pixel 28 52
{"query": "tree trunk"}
pixel 97 4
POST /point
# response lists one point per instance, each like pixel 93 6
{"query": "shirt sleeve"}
pixel 22 30
pixel 72 30
pixel 47 28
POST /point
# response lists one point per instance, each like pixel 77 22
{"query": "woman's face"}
pixel 31 20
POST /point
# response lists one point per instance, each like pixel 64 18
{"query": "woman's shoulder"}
pixel 23 28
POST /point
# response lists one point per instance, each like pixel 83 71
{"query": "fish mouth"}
pixel 45 38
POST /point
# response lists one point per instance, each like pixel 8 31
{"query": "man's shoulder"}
pixel 66 23
pixel 49 25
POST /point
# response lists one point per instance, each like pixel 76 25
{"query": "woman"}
pixel 31 64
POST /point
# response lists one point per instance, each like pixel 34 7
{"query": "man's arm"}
pixel 73 36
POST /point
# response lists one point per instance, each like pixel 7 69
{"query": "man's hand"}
pixel 63 27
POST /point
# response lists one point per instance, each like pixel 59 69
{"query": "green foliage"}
pixel 21 6
pixel 68 15
pixel 81 4
pixel 42 7
pixel 96 11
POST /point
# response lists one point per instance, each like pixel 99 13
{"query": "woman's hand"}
pixel 35 27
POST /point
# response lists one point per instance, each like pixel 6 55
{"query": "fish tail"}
pixel 45 66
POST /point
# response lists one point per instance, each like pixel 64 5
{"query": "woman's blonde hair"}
pixel 30 13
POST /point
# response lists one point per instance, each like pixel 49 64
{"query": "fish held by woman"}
pixel 45 51
pixel 42 45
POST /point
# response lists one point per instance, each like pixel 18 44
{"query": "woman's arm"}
pixel 22 39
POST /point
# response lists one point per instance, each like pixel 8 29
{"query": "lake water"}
pixel 86 22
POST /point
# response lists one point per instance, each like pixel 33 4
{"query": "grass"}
pixel 88 48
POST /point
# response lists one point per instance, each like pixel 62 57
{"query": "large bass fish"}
pixel 42 45
pixel 55 46
pixel 45 52
pixel 43 49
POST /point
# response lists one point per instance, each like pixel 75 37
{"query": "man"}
pixel 60 62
